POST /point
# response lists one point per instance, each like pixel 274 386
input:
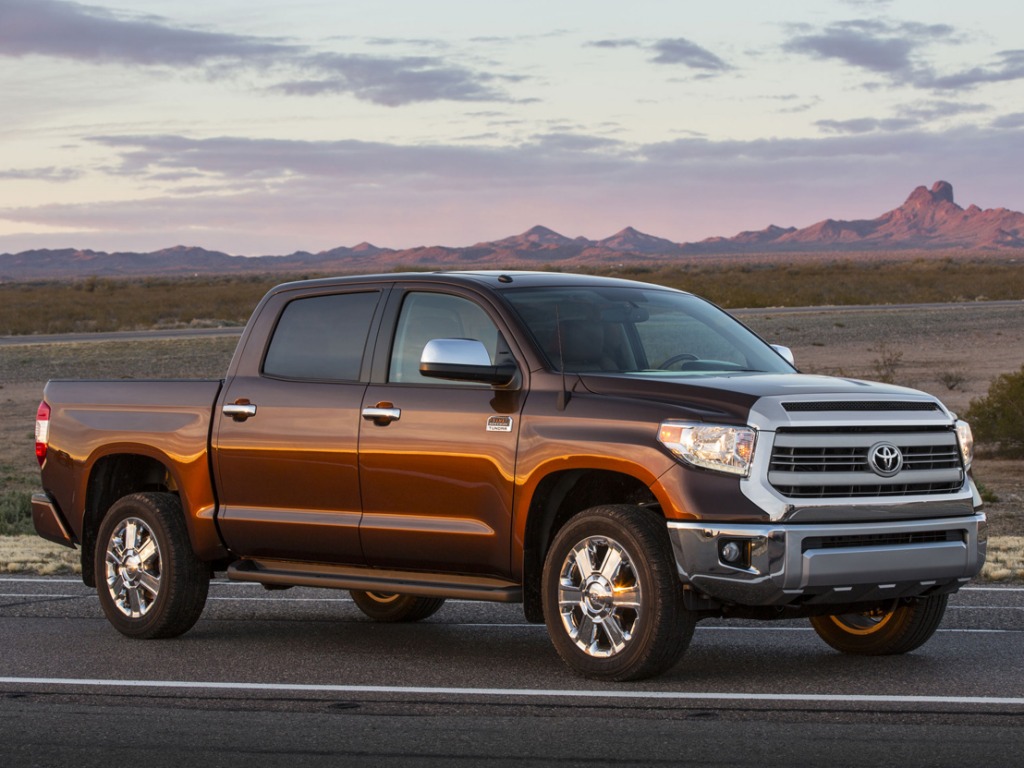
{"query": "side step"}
pixel 288 573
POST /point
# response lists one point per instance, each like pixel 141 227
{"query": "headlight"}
pixel 965 437
pixel 721 448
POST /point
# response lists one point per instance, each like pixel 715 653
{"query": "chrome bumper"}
pixel 781 564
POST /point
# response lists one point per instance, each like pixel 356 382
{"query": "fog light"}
pixel 730 552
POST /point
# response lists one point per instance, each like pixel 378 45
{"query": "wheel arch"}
pixel 116 475
pixel 558 498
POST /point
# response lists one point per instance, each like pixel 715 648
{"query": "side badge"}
pixel 499 423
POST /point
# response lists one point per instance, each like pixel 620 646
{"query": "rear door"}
pixel 286 460
pixel 437 458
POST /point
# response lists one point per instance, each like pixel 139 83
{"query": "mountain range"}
pixel 928 220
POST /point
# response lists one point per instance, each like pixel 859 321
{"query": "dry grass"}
pixel 1005 559
pixel 30 554
pixel 813 279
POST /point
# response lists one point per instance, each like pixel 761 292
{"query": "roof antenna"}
pixel 564 395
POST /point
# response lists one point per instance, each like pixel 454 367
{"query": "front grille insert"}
pixel 828 465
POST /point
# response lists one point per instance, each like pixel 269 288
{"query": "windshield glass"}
pixel 639 330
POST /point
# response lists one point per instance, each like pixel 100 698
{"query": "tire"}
pixel 613 603
pixel 899 628
pixel 392 608
pixel 149 581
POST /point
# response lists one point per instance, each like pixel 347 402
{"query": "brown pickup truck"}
pixel 621 458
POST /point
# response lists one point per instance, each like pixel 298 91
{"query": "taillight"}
pixel 42 431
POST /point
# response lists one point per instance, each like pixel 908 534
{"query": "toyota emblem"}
pixel 885 459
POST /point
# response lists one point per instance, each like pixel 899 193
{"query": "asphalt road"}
pixel 301 678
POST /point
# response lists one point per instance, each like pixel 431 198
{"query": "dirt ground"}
pixel 951 352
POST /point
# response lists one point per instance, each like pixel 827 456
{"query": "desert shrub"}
pixel 886 365
pixel 953 379
pixel 15 513
pixel 997 419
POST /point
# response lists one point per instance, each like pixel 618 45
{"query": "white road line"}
pixel 516 692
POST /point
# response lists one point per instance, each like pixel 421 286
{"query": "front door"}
pixel 437 458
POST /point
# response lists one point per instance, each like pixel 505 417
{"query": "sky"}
pixel 257 127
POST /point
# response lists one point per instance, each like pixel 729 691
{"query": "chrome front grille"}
pixel 814 464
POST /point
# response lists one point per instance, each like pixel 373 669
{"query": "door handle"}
pixel 382 414
pixel 239 411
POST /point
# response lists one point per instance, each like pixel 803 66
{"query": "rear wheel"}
pixel 613 602
pixel 391 607
pixel 899 627
pixel 149 581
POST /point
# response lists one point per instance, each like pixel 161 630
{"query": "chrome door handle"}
pixel 239 411
pixel 382 415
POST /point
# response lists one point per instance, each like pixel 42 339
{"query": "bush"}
pixel 15 513
pixel 998 418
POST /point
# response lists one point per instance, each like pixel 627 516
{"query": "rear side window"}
pixel 321 337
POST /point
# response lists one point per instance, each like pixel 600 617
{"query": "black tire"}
pixel 613 603
pixel 149 581
pixel 391 608
pixel 899 628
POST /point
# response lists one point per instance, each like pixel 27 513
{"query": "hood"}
pixel 725 396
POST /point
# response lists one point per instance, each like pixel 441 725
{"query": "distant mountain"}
pixel 629 240
pixel 928 220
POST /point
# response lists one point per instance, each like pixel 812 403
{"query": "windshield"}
pixel 639 330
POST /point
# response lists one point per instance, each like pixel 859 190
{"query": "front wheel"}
pixel 898 627
pixel 613 603
pixel 149 581
pixel 389 607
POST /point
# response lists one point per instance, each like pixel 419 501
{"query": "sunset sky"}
pixel 258 127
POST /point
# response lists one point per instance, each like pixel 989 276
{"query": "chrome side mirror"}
pixel 785 353
pixel 463 360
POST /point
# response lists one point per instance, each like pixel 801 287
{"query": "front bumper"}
pixel 784 564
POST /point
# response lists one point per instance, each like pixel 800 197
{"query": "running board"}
pixel 288 573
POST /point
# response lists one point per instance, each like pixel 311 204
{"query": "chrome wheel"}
pixel 149 581
pixel 599 597
pixel 133 568
pixel 612 599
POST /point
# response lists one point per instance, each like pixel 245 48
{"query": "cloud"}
pixel 897 51
pixel 1009 65
pixel 865 125
pixel 671 51
pixel 68 30
pixel 50 173
pixel 1009 122
pixel 392 82
pixel 914 115
pixel 87 33
pixel 876 46
pixel 679 50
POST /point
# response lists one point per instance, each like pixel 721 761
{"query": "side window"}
pixel 427 316
pixel 321 337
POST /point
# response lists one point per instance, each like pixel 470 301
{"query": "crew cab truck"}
pixel 621 458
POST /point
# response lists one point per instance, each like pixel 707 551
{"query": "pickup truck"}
pixel 621 458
